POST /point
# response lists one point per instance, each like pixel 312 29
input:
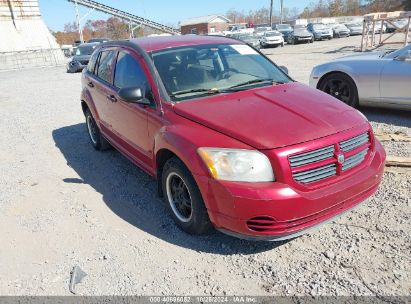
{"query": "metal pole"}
pixel 271 13
pixel 281 11
pixel 80 30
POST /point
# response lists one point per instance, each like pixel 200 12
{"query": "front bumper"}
pixel 233 206
pixel 75 66
pixel 319 36
pixel 302 38
pixel 273 42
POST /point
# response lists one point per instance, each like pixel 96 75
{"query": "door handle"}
pixel 112 98
pixel 90 84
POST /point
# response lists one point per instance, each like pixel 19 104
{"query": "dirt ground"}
pixel 64 204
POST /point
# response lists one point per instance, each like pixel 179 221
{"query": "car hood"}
pixel 274 116
pixel 285 31
pixel 361 56
pixel 302 32
pixel 81 57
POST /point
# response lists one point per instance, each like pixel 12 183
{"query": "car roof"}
pixel 150 44
pixel 89 44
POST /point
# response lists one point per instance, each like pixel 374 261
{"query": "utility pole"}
pixel 281 11
pixel 80 30
pixel 271 13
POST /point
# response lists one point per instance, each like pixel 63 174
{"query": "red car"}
pixel 233 141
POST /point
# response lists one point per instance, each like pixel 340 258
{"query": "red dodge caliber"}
pixel 233 141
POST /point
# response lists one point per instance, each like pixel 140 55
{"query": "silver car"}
pixel 370 79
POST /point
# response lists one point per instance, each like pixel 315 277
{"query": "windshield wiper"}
pixel 254 81
pixel 386 53
pixel 200 90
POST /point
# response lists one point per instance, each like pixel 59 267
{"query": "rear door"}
pixel 102 86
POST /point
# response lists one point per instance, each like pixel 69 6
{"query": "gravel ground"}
pixel 63 204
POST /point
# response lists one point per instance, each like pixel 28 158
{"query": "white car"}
pixel 272 38
pixel 259 31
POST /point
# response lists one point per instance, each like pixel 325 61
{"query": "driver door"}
pixel 129 121
pixel 395 82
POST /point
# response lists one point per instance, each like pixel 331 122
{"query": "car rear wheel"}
pixel 342 87
pixel 183 198
pixel 96 138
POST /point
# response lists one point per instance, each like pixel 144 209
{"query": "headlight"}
pixel 237 164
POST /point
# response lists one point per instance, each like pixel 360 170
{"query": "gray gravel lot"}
pixel 63 204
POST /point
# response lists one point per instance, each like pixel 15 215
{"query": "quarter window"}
pixel 92 63
pixel 105 65
pixel 128 72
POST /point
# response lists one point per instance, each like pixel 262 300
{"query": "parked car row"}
pixel 280 34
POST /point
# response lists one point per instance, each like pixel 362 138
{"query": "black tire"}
pixel 312 40
pixel 189 213
pixel 96 138
pixel 342 87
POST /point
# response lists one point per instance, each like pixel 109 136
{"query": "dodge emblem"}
pixel 340 159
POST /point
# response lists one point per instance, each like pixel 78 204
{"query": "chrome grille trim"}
pixel 311 157
pixel 354 142
pixel 315 174
pixel 354 160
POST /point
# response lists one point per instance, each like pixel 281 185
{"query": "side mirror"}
pixel 284 69
pixel 133 95
pixel 405 57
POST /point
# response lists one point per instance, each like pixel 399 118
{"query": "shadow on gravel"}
pixel 344 49
pixel 132 195
pixel 388 116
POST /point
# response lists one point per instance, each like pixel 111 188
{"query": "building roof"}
pixel 164 42
pixel 203 19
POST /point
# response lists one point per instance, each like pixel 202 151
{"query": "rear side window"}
pixel 92 63
pixel 128 72
pixel 105 65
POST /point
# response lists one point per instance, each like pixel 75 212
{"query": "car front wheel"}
pixel 183 198
pixel 342 87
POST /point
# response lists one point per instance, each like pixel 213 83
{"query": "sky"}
pixel 56 13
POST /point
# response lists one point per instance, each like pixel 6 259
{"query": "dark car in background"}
pixel 355 28
pixel 300 34
pixel 100 40
pixel 320 31
pixel 250 39
pixel 81 57
pixel 284 29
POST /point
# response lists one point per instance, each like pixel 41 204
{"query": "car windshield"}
pixel 340 27
pixel 189 72
pixel 319 27
pixel 85 50
pixel 272 34
pixel 284 27
pixel 354 25
pixel 262 29
pixel 244 37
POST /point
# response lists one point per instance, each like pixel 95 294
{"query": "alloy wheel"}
pixel 179 197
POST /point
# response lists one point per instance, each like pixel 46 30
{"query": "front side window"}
pixel 209 69
pixel 128 72
pixel 105 65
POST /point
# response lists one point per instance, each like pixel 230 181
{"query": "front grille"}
pixel 311 157
pixel 84 62
pixel 326 157
pixel 354 142
pixel 315 174
pixel 354 160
